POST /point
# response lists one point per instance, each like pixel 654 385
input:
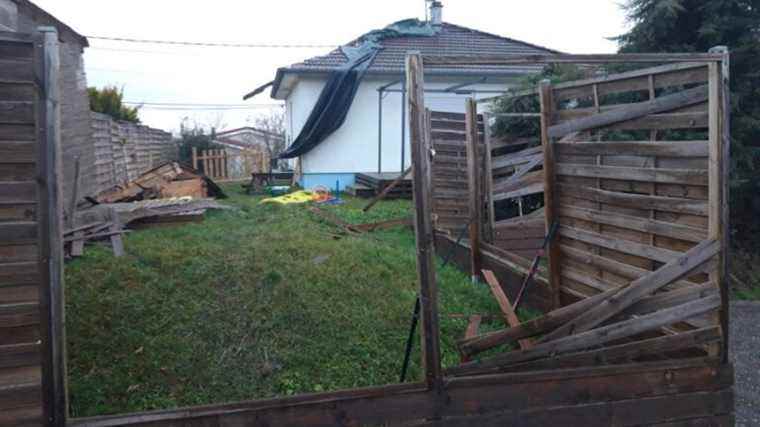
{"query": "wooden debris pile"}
pixel 170 194
pixel 167 181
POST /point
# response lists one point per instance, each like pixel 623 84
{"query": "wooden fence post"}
pixel 473 181
pixel 488 170
pixel 195 158
pixel 50 219
pixel 550 215
pixel 720 139
pixel 423 224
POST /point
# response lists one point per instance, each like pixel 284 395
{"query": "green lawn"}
pixel 256 302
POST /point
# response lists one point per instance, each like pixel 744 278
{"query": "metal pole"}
pixel 380 131
pixel 403 124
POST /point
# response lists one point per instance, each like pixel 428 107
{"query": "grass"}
pixel 256 302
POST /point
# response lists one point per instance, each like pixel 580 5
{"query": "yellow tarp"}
pixel 297 197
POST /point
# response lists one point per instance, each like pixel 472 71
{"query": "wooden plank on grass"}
pixel 388 189
pixel 634 111
pixel 675 269
pixel 505 305
pixel 594 337
pixel 473 326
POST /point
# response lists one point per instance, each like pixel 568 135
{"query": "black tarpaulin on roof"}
pixel 335 100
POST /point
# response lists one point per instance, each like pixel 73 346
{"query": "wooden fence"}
pixel 124 151
pixel 650 349
pixel 502 175
pixel 220 165
pixel 32 390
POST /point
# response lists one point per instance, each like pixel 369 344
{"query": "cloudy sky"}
pixel 188 76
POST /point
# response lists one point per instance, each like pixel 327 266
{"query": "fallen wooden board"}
pixel 623 353
pixel 387 189
pixel 405 222
pixel 594 337
pixel 334 220
pixel 506 306
pixel 674 270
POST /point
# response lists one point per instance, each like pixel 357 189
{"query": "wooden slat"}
pixel 632 248
pixel 634 111
pixel 17 132
pixel 16 315
pixel 622 269
pixel 666 75
pixel 666 411
pixel 638 201
pixel 508 185
pixel 664 121
pixel 551 58
pixel 11 253
pixel 674 270
pixel 639 148
pixel 17 232
pixel 16 70
pixel 17 152
pixel 19 396
pixel 18 91
pixel 534 188
pixel 16 112
pixel 665 176
pixel 594 337
pixel 624 352
pixel 18 192
pixel 662 228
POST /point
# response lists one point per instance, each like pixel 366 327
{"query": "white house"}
pixel 370 138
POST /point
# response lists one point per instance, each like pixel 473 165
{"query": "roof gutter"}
pixel 281 72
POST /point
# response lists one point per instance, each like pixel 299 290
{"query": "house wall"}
pixel 75 104
pixel 354 147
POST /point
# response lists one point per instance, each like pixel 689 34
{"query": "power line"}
pixel 210 44
pixel 176 106
pixel 193 104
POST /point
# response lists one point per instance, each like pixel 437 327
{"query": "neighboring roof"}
pixel 247 129
pixel 42 14
pixel 450 40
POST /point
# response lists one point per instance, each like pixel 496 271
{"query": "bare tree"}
pixel 273 125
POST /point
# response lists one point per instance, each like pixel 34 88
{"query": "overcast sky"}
pixel 193 75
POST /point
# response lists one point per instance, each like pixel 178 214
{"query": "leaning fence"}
pixel 124 150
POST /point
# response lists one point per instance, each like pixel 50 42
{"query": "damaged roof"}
pixel 449 40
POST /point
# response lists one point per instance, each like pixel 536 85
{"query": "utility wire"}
pixel 210 44
pixel 192 104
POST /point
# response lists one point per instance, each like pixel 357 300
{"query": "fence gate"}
pixel 221 166
pixel 32 367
